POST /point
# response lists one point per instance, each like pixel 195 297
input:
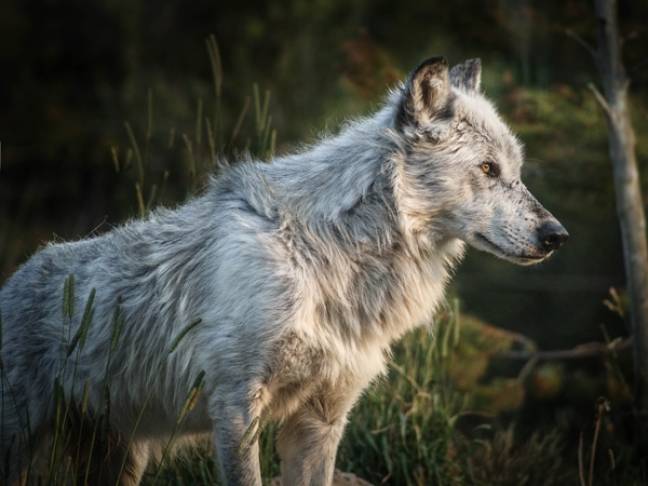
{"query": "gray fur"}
pixel 303 271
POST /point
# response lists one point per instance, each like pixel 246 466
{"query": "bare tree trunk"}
pixel 628 192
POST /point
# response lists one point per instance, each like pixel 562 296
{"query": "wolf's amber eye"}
pixel 491 169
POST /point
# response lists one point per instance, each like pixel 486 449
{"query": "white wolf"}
pixel 302 272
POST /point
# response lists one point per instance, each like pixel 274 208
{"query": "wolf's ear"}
pixel 425 94
pixel 467 75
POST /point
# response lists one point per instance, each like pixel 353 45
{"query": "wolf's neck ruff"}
pixel 369 272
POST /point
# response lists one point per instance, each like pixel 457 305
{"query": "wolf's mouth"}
pixel 498 250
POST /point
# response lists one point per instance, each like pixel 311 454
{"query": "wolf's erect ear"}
pixel 425 94
pixel 467 75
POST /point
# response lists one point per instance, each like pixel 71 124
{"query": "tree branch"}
pixel 600 98
pixel 587 350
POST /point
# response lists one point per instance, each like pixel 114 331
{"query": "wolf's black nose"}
pixel 552 235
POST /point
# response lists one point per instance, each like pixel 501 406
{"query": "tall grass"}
pixel 203 147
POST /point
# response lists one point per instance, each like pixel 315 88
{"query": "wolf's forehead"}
pixel 481 116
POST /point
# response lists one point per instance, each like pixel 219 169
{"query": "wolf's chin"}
pixel 482 243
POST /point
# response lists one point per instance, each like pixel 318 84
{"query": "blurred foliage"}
pixel 113 106
pixel 74 71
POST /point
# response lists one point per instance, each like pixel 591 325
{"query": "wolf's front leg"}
pixel 237 445
pixel 308 441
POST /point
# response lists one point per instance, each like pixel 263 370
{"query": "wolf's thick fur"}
pixel 302 271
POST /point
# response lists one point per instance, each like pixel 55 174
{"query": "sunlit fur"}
pixel 303 272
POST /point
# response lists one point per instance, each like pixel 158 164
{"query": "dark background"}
pixel 71 73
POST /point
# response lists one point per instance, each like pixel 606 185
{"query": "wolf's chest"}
pixel 345 323
pixel 302 366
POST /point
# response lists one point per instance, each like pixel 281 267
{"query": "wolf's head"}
pixel 459 176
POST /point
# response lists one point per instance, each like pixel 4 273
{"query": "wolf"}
pixel 274 295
